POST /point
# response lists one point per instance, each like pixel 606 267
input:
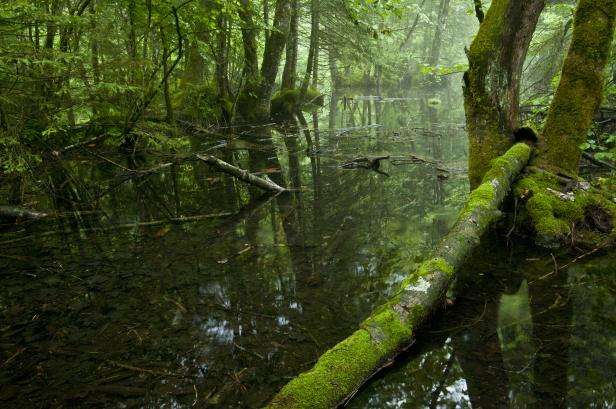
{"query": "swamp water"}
pixel 182 287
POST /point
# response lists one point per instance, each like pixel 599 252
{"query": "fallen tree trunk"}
pixel 241 173
pixel 391 328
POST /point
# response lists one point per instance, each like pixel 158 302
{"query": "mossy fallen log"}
pixel 340 371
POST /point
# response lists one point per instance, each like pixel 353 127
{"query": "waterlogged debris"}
pixel 411 159
pixel 381 98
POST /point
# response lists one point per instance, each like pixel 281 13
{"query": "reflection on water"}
pixel 181 287
pixel 518 335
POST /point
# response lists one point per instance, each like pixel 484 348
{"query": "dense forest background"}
pixel 142 71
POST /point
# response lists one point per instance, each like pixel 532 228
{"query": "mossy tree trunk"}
pixel 290 66
pixel 249 41
pixel 255 97
pixel 340 371
pixel 312 64
pixel 492 82
pixel 559 219
pixel 222 67
pixel 578 95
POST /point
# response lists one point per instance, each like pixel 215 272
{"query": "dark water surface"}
pixel 182 287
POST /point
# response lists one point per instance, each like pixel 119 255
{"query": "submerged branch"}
pixel 18 213
pixel 241 174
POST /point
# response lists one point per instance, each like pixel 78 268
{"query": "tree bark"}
pixel 579 93
pixel 443 15
pixel 313 51
pixel 273 51
pixel 492 82
pixel 249 41
pixel 290 66
pixel 254 100
pixel 391 328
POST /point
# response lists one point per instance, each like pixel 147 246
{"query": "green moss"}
pixel 552 216
pixel 313 100
pixel 435 264
pixel 248 103
pixel 426 268
pixel 486 139
pixel 580 89
pixel 480 199
pixel 345 365
pixel 284 104
pixel 386 329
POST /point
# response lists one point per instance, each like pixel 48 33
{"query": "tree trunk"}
pixel 443 15
pixel 195 66
pixel 273 51
pixel 222 69
pixel 254 100
pixel 312 65
pixel 391 328
pixel 334 72
pixel 170 117
pixel 249 41
pixel 492 82
pixel 578 95
pixel 290 66
pixel 408 39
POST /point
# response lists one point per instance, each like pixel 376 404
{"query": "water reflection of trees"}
pixel 516 337
pixel 224 308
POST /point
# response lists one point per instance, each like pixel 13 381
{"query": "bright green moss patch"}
pixel 504 166
pixel 435 264
pixel 428 267
pixel 479 199
pixel 520 152
pixel 500 173
pixel 554 213
pixel 337 371
pixel 386 330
